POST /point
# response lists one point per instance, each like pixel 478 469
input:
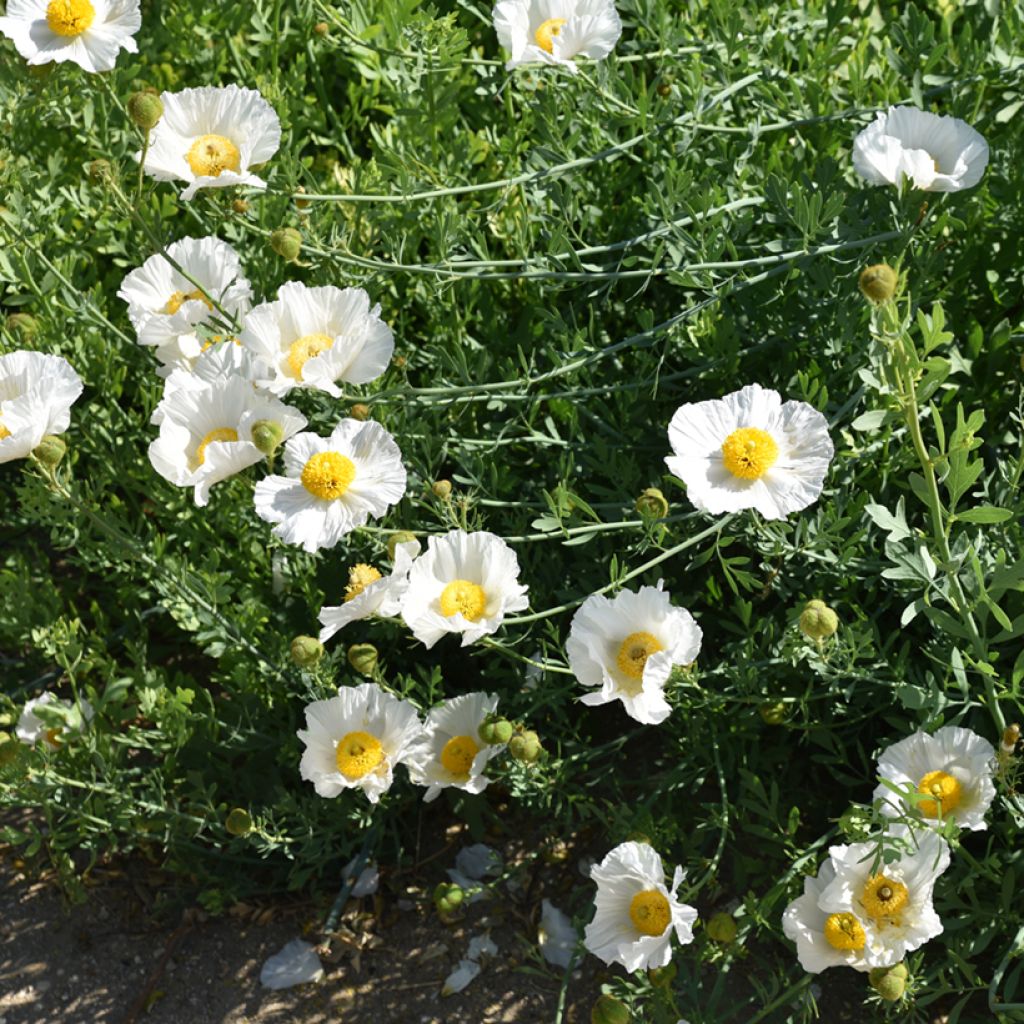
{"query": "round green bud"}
pixel 363 658
pixel 321 28
pixel 50 450
pixel 238 823
pixel 495 731
pixel 145 109
pixel 240 206
pixel 878 283
pixel 662 977
pixel 360 412
pixel 267 435
pixel 306 651
pixel 889 982
pixel 287 243
pixel 652 504
pixel 100 171
pixel 442 489
pixel 402 537
pixel 448 898
pixel 818 621
pixel 526 747
pixel 609 1010
pixel 722 928
pixel 23 326
pixel 773 713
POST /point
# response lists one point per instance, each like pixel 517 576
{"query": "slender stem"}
pixel 142 167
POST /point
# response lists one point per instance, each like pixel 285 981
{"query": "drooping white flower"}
pixel 450 751
pixel 31 728
pixel 206 432
pixel 315 337
pixel 937 154
pixel 627 645
pixel 369 593
pixel 36 395
pixel 333 484
pixel 635 913
pixel 89 33
pixel 165 307
pixel 356 740
pixel 556 31
pixel 212 137
pixel 750 450
pixel 464 583
pixel 951 769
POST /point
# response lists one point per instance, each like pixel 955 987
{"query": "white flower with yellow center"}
pixel 206 432
pixel 53 728
pixel 314 337
pixel 355 740
pixel 937 154
pixel 212 137
pixel 627 645
pixel 89 33
pixel 370 593
pixel 333 484
pixel 635 913
pixel 951 771
pixel 556 31
pixel 750 450
pixel 36 395
pixel 464 583
pixel 451 752
pixel 165 307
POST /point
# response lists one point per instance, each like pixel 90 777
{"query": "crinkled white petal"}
pixel 36 394
pixel 590 28
pixel 296 963
pixel 556 936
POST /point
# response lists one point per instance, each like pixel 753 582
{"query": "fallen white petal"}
pixel 295 964
pixel 556 936
pixel 460 977
pixel 367 882
pixel 479 860
pixel 481 945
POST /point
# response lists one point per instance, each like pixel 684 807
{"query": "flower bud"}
pixel 442 489
pixel 50 450
pixel 662 977
pixel 321 28
pixel 402 537
pixel 287 243
pixel 722 928
pixel 100 171
pixel 1011 734
pixel 773 712
pixel 609 1010
pixel 307 651
pixel 240 206
pixel 448 898
pixel 878 283
pixel 889 982
pixel 495 731
pixel 360 412
pixel 363 658
pixel 267 435
pixel 301 204
pixel 818 621
pixel 145 109
pixel 23 326
pixel 526 747
pixel 652 504
pixel 238 823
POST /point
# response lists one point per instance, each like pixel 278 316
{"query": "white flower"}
pixel 952 769
pixel 31 728
pixel 938 154
pixel 892 900
pixel 206 432
pixel 313 337
pixel 627 645
pixel 90 33
pixel 333 484
pixel 555 31
pixel 749 450
pixel 369 593
pixel 464 583
pixel 36 395
pixel 450 751
pixel 212 137
pixel 217 364
pixel 635 914
pixel 556 936
pixel 356 739
pixel 165 307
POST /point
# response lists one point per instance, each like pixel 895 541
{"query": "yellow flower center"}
pixel 357 754
pixel 220 434
pixel 210 155
pixel 69 17
pixel 4 432
pixel 359 578
pixel 883 897
pixel 457 755
pixel 749 453
pixel 844 931
pixel 52 736
pixel 299 352
pixel 178 299
pixel 633 655
pixel 945 793
pixel 649 911
pixel 328 475
pixel 546 32
pixel 461 596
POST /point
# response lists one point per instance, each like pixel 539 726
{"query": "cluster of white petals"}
pixel 556 31
pixel 60 718
pixel 36 395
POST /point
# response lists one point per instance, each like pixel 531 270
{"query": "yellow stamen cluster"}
pixel 650 913
pixel 546 32
pixel 220 434
pixel 211 155
pixel 844 931
pixel 634 652
pixel 358 754
pixel 69 17
pixel 883 897
pixel 302 350
pixel 328 475
pixel 178 299
pixel 749 453
pixel 359 578
pixel 457 755
pixel 945 793
pixel 4 432
pixel 461 596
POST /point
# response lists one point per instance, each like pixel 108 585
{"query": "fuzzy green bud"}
pixel 267 435
pixel 495 731
pixel 23 326
pixel 878 283
pixel 609 1010
pixel 448 898
pixel 238 823
pixel 240 206
pixel 321 28
pixel 363 658
pixel 287 243
pixel 50 450
pixel 722 928
pixel 818 621
pixel 525 746
pixel 100 171
pixel 360 411
pixel 306 651
pixel 402 537
pixel 652 504
pixel 773 713
pixel 145 109
pixel 889 982
pixel 442 489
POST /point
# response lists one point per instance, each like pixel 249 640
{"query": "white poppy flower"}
pixel 893 900
pixel 31 728
pixel 212 137
pixel 464 583
pixel 450 751
pixel 165 307
pixel 636 913
pixel 89 33
pixel 36 395
pixel 952 769
pixel 555 31
pixel 627 645
pixel 938 154
pixel 356 739
pixel 750 450
pixel 333 484
pixel 314 337
pixel 369 593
